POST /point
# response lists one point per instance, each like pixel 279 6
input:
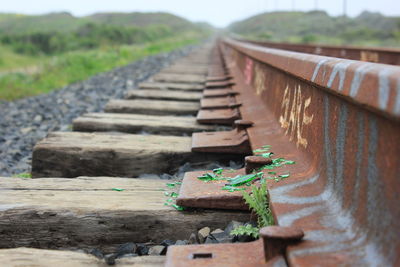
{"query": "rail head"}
pixel 391 50
pixel 371 85
pixel 324 113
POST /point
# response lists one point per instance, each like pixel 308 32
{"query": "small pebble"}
pixel 142 250
pixel 167 243
pixel 127 248
pixel 110 259
pixel 203 233
pixel 96 252
pixel 157 250
pixel 181 242
pixel 217 231
pixel 193 239
pixel 232 225
pixel 210 240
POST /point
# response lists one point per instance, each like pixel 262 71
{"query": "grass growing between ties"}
pixel 257 199
pixel 240 182
pixel 58 71
pixel 252 186
pixel 24 175
pixel 172 195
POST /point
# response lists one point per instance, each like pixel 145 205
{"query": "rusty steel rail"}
pixel 370 54
pixel 339 119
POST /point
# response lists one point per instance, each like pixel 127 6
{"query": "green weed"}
pixel 23 175
pixel 259 203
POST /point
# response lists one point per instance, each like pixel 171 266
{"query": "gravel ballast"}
pixel 24 122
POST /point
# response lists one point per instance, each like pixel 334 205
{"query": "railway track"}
pixel 369 54
pixel 337 119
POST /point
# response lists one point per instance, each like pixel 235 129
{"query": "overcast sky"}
pixel 217 12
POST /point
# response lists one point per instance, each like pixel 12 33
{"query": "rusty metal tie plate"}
pixel 218 116
pixel 216 85
pixel 216 255
pixel 218 78
pixel 249 254
pixel 208 93
pixel 196 193
pixel 234 141
pixel 217 102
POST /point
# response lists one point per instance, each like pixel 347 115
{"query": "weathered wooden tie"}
pixel 179 78
pixel 189 68
pixel 201 61
pixel 89 212
pixel 152 107
pixel 136 123
pixel 163 95
pixel 172 86
pixel 72 154
pixel 18 257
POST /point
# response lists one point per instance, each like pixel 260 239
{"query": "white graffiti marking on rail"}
pixel 294 114
pixel 259 80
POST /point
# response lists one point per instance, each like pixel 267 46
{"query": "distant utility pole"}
pixel 293 5
pixel 316 4
pixel 344 8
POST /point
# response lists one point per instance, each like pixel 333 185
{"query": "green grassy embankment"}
pixel 9 60
pixel 58 71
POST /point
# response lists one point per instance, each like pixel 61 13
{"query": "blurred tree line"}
pixel 369 28
pixel 88 36
pixel 354 33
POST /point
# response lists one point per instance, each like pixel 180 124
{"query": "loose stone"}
pixel 181 242
pixel 193 239
pixel 203 233
pixel 158 250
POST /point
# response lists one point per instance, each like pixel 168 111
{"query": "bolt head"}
pixel 243 123
pixel 236 105
pixel 283 233
pixel 257 160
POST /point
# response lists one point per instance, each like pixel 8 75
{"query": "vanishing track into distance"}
pixel 337 119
